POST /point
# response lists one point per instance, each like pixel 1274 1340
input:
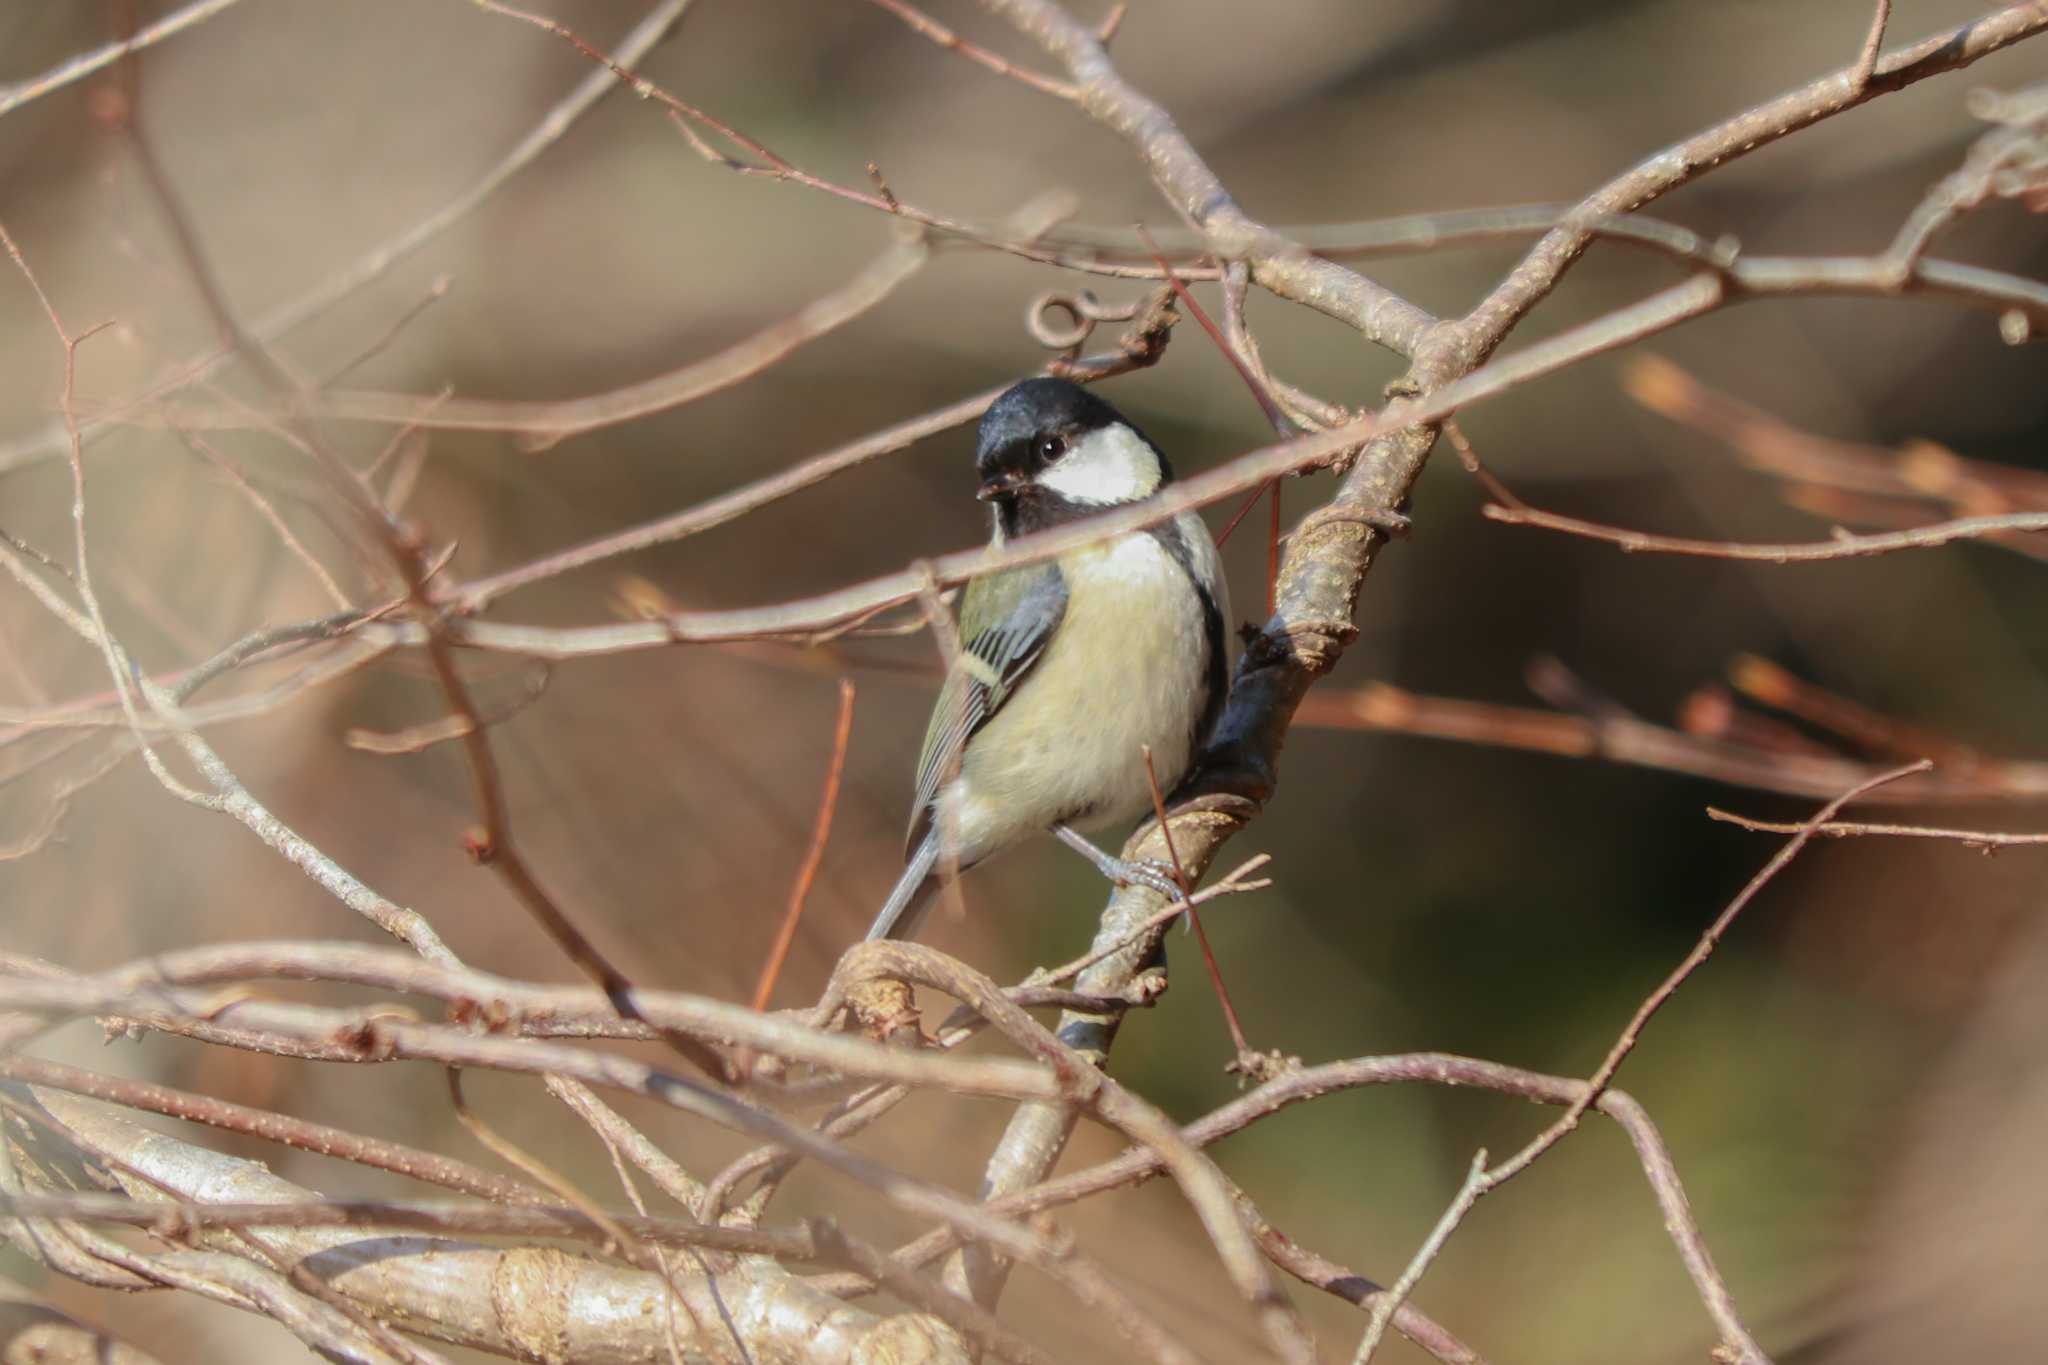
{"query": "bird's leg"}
pixel 1156 876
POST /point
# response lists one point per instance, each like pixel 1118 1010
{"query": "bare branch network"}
pixel 533 1265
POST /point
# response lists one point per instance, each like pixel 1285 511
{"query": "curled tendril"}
pixel 1084 312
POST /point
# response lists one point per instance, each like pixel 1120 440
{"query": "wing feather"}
pixel 1023 607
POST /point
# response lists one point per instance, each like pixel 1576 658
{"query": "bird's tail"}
pixel 915 890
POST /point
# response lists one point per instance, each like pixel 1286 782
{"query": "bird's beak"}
pixel 1002 484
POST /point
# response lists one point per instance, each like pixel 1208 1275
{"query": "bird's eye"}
pixel 1050 448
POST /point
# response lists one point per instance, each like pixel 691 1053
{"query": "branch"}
pixel 1843 546
pixel 1140 347
pixel 1916 473
pixel 31 1330
pixel 457 1292
pixel 154 986
pixel 926 26
pixel 543 423
pixel 1873 44
pixel 1615 736
pixel 1313 602
pixel 372 265
pixel 2007 161
pixel 1685 161
pixel 1735 1339
pixel 1984 840
pixel 1251 470
pixel 300 1134
pixel 76 69
pixel 1278 264
pixel 1089 1090
pixel 175 1219
pixel 807 872
pixel 1389 1303
pixel 1309 1083
pixel 1333 550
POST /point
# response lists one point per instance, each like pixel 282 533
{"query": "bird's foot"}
pixel 1153 876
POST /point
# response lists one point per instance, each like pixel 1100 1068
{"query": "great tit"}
pixel 1069 669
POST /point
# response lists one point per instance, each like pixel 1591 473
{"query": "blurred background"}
pixel 1854 1088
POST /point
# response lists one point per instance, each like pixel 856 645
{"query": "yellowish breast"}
pixel 1124 672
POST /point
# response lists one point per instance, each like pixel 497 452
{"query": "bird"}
pixel 1070 670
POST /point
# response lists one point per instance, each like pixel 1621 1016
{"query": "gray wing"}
pixel 1022 607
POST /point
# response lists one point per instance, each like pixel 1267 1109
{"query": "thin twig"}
pixel 1387 1304
pixel 1238 879
pixel 1669 168
pixel 408 552
pixel 1187 891
pixel 549 1220
pixel 1985 840
pixel 1203 1185
pixel 624 1141
pixel 493 844
pixel 926 26
pixel 1243 509
pixel 1282 425
pixel 1619 737
pixel 456 1291
pixel 145 989
pixel 1873 44
pixel 417 739
pixel 1735 1338
pixel 1250 470
pixel 984 1328
pixel 1844 480
pixel 807 872
pixel 268 511
pixel 1273 551
pixel 372 265
pixel 87 63
pixel 1763 681
pixel 435 292
pixel 81 578
pixel 1843 546
pixel 544 423
pixel 300 1134
pixel 1468 455
pixel 537 1170
pixel 1701 951
pixel 475 594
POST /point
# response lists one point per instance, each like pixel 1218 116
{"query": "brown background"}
pixel 1852 1087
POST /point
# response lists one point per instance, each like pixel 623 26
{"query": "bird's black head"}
pixel 1049 451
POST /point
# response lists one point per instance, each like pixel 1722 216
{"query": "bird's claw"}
pixel 1152 876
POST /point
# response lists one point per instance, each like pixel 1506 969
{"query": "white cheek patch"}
pixel 1107 466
